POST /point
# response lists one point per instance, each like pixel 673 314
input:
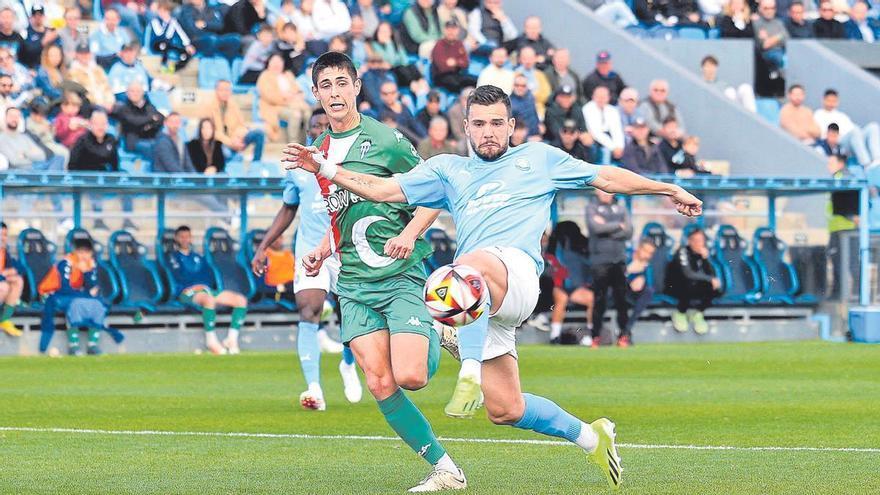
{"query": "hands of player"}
pixel 400 247
pixel 314 260
pixel 686 203
pixel 297 155
pixel 258 264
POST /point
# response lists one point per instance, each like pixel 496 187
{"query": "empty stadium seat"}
pixel 779 281
pixel 656 275
pixel 140 283
pixel 691 33
pixel 638 31
pixel 37 255
pixel 739 273
pixel 663 32
pixel 164 247
pixel 444 248
pixel 211 70
pixel 232 273
pixel 108 283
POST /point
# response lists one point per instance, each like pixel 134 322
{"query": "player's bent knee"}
pixel 411 380
pixel 381 386
pixel 506 413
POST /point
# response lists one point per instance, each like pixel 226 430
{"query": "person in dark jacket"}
pixel 826 26
pixel 860 27
pixel 570 141
pixel 604 75
pixel 641 155
pixel 204 25
pixel 737 20
pixel 169 153
pixel 691 280
pixel 522 106
pixel 431 110
pixel 561 109
pixel 796 24
pixel 205 152
pixel 610 229
pixel 533 37
pixel 243 16
pixel 140 120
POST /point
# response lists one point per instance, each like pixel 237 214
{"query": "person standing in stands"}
pixel 11 284
pixel 195 282
pixel 604 75
pixel 610 229
pixel 691 280
pixel 639 293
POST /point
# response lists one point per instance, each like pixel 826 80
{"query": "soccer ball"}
pixel 456 295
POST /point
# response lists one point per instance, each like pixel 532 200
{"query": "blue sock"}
pixel 472 337
pixel 309 352
pixel 545 416
pixel 347 355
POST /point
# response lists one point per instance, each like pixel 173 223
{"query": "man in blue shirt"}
pixel 500 202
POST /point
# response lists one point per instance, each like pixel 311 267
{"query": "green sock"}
pixel 237 319
pixel 433 353
pixel 94 336
pixel 7 311
pixel 209 319
pixel 73 337
pixel 411 425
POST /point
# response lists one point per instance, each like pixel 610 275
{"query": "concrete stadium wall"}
pixel 753 146
pixel 735 61
pixel 864 55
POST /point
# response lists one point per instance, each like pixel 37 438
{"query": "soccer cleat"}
pixel 448 339
pixel 313 400
pixel 540 322
pixel 679 321
pixel 73 350
pixel 440 480
pixel 93 350
pixel 328 345
pixel 10 329
pixel 701 327
pixel 350 381
pixel 216 348
pixel 623 341
pixel 605 456
pixel 466 399
pixel 231 346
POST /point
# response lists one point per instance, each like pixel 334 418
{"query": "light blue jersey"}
pixel 301 188
pixel 503 203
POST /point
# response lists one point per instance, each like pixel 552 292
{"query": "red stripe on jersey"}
pixel 325 184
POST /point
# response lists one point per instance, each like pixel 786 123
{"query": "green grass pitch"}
pixel 747 395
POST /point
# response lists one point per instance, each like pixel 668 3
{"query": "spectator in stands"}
pixel 128 70
pixel 859 26
pixel 11 284
pixel 405 120
pixel 281 99
pixel 139 120
pixel 604 75
pixel 22 149
pixel 519 135
pixel 628 104
pixel 712 9
pixel 770 37
pixel 243 17
pixel 357 42
pixel 657 108
pixel 533 38
pixel 69 125
pixel 421 28
pixel 6 99
pixel 331 18
pixel 560 73
pixel 522 106
pixel 497 73
pixel 368 13
pixel 796 24
pixel 51 73
pixel 610 229
pixel 88 74
pixel 229 124
pixel 10 37
pixel 38 37
pixel 861 142
pixel 603 124
pixel 22 78
pixel 490 27
pixel 71 35
pixel 95 150
pixel 38 124
pixel 456 114
pixel 691 280
pixel 737 20
pixel 684 161
pixel 168 38
pixel 292 48
pixel 569 245
pixel 450 61
pixel 449 10
pixel 387 46
pixel 339 44
pixel 570 141
pixel 107 41
pixel 203 24
pixel 304 21
pixel 639 293
pixel 205 152
pixel 616 12
pixel 169 152
pixel 641 155
pixel 431 110
pixel 744 94
pixel 671 138
pixel 378 72
pixel 133 14
pixel 195 282
pixel 537 81
pixel 797 118
pixel 563 108
pixel 666 13
pixel 257 55
pixel 826 26
pixel 437 142
pixel 830 145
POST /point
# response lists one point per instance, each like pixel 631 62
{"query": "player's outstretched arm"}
pixel 370 187
pixel 618 180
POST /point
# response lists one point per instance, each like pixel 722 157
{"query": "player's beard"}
pixel 489 157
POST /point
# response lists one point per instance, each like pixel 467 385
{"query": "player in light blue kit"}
pixel 500 202
pixel 301 192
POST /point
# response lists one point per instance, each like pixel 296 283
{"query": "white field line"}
pixel 372 438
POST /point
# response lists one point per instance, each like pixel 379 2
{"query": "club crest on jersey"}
pixel 365 148
pixel 398 135
pixel 522 164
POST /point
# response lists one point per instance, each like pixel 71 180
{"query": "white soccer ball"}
pixel 455 295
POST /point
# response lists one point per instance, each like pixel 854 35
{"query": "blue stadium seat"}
pixel 768 108
pixel 164 247
pixel 663 32
pixel 139 278
pixel 230 270
pixel 108 283
pixel 714 34
pixel 638 31
pixel 37 255
pixel 211 70
pixel 779 280
pixel 691 33
pixel 738 269
pixel 656 275
pixel 444 248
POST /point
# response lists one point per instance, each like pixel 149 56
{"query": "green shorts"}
pixel 187 295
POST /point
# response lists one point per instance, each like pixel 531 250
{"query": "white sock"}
pixel 315 388
pixel 555 330
pixel 470 368
pixel 587 440
pixel 211 338
pixel 447 464
pixel 232 335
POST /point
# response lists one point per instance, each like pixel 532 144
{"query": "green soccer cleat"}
pixel 699 323
pixel 679 321
pixel 466 399
pixel 605 456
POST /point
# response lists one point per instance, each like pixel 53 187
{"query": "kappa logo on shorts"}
pixel 414 321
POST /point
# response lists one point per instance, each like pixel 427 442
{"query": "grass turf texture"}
pixel 790 394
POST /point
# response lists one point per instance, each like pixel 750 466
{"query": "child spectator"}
pixel 684 162
pixel 69 126
pixel 257 56
pixel 168 38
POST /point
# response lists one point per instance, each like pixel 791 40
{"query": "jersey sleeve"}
pixel 290 196
pixel 566 171
pixel 424 185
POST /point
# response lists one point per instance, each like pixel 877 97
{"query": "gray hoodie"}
pixel 610 228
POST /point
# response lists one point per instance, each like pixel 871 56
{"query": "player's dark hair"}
pixel 3 225
pixel 488 95
pixel 832 127
pixel 333 60
pixel 83 243
pixel 182 228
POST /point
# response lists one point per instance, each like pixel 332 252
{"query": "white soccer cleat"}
pixel 213 345
pixel 351 382
pixel 313 399
pixel 440 480
pixel 327 344
pixel 231 345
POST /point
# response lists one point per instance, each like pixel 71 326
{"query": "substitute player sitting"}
pixel 500 202
pixel 11 285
